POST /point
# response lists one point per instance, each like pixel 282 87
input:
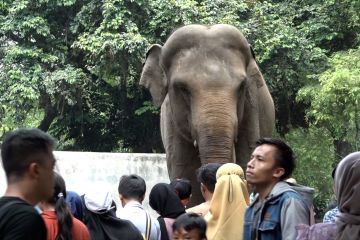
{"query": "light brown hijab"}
pixel 228 204
pixel 347 190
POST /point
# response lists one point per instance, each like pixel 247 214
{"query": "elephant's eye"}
pixel 240 85
pixel 181 87
pixel 183 92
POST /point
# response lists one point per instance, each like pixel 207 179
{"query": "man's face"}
pixel 261 169
pixel 182 234
pixel 46 175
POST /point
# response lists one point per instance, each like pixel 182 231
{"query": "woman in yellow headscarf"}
pixel 228 204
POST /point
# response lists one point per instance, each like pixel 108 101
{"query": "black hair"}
pixel 182 187
pixel 20 147
pixel 190 221
pixel 132 186
pixel 284 156
pixel 333 172
pixel 206 175
pixel 63 213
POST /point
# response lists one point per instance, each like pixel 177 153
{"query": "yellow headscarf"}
pixel 228 204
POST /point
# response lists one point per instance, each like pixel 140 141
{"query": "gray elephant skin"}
pixel 214 101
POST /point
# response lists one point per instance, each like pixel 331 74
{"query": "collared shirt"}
pixel 135 213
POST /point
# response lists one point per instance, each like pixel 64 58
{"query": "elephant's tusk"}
pixel 195 143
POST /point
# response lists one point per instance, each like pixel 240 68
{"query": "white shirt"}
pixel 135 213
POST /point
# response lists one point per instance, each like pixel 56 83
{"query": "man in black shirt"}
pixel 28 163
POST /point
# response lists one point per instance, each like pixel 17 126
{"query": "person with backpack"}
pixel 132 189
pixel 277 207
pixel 100 218
pixel 28 162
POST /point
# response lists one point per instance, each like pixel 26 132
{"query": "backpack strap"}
pixel 148 226
pixel 8 204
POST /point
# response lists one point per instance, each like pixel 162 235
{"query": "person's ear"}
pixel 122 200
pixel 34 170
pixel 142 198
pixel 202 188
pixel 278 172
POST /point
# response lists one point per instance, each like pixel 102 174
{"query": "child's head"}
pixel 182 188
pixel 189 226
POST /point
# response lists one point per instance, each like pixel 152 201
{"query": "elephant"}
pixel 214 101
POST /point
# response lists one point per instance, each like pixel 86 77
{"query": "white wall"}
pixel 91 171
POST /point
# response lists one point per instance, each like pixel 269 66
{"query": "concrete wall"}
pixel 91 171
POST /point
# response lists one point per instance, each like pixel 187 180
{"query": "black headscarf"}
pixel 105 225
pixel 164 200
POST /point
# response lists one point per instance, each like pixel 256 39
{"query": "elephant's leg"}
pixel 184 165
pixel 182 157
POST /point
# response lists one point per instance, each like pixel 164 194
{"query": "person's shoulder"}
pixel 319 231
pixel 132 212
pixel 283 190
pixel 200 209
pixel 16 206
pixel 22 220
pixel 80 230
pixel 6 200
pixel 291 194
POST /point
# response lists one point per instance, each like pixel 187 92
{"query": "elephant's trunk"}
pixel 216 128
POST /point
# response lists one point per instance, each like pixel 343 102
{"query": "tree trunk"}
pixel 342 148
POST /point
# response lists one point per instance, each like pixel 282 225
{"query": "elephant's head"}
pixel 212 82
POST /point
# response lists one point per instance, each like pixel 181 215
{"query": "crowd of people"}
pixel 262 202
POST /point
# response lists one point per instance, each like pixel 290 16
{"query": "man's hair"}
pixel 20 147
pixel 182 187
pixel 206 175
pixel 190 221
pixel 132 186
pixel 284 156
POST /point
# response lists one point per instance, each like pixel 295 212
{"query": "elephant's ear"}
pixel 153 77
pixel 254 75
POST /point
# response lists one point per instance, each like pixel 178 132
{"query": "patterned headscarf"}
pixel 347 190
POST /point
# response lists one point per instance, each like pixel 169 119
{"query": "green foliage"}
pixel 331 25
pixel 72 67
pixel 286 56
pixel 334 101
pixel 147 106
pixel 314 163
pixel 220 11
